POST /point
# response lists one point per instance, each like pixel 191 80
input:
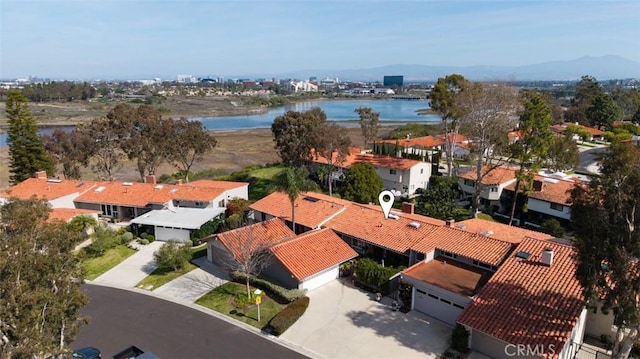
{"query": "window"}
pixel 221 203
pixel 421 291
pixel 358 244
pixel 494 189
pixel 445 301
pixel 449 254
pixel 557 207
pixel 433 296
pixel 109 210
pixel 468 182
pixel 392 172
pixel 421 170
pixel 458 306
pixel 199 204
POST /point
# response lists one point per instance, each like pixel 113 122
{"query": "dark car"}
pixel 86 353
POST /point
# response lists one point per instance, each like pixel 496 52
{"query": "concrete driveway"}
pixel 345 322
pixel 196 283
pixel 133 269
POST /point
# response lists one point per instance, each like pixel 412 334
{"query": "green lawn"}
pixel 266 173
pixel 486 217
pixel 112 257
pixel 160 277
pixel 221 300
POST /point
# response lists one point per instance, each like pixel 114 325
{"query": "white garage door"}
pixel 320 279
pixel 437 306
pixel 165 234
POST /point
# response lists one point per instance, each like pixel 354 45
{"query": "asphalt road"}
pixel 120 318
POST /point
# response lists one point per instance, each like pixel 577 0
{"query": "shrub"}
pixel 284 295
pixel 126 237
pixel 187 243
pixel 206 229
pixel 143 241
pixel 460 339
pixel 552 227
pixel 173 255
pixel 289 315
pixel 121 231
pixel 148 237
pixel 373 275
pixel 104 238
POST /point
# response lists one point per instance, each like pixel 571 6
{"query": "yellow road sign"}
pixel 258 299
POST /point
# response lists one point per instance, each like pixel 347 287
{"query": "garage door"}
pixel 165 234
pixel 320 279
pixel 437 306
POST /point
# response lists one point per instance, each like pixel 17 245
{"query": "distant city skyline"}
pixel 141 38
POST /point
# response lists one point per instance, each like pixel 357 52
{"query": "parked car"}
pixel 86 353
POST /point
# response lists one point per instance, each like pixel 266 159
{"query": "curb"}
pixel 215 314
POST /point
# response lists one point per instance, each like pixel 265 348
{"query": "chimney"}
pixel 547 257
pixel 179 182
pixel 537 186
pixel 408 207
pixel 41 175
pixel 449 222
pixel 150 179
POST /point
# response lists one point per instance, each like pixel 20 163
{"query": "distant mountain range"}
pixel 602 68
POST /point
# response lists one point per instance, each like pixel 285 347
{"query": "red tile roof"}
pixel 496 176
pixel 313 252
pixel 554 190
pixel 356 156
pixel 137 194
pixel 497 230
pixel 312 209
pixel 449 274
pixel 66 214
pixel 368 224
pixel 244 241
pixel 526 302
pixel 48 189
pixel 475 246
pixel 425 142
pixel 460 138
pixel 593 131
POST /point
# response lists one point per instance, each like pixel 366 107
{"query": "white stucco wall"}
pixel 598 323
pixel 545 207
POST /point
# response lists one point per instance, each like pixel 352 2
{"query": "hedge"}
pixel 289 315
pixel 283 294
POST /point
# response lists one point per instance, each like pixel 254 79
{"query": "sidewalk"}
pixel 133 269
pixel 196 283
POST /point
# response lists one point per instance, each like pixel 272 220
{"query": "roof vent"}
pixel 100 189
pixel 486 233
pixel 159 186
pixel 547 257
pixel 127 184
pixel 394 216
pixel 53 180
pixel 80 184
pixel 461 226
pixel 174 190
pixel 523 255
pixel 415 225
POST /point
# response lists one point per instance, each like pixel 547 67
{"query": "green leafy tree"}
pixel 189 141
pixel 553 227
pixel 606 221
pixel 293 181
pixel 104 238
pixel 361 184
pixel 531 149
pixel 295 133
pixel 82 224
pixel 332 142
pixel 369 124
pixel 41 282
pixel 70 149
pixel 563 154
pixel 444 101
pixel 587 89
pixel 27 154
pixel 172 256
pixel 106 134
pixel 603 112
pixel 439 200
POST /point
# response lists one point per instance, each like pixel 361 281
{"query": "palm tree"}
pixel 293 181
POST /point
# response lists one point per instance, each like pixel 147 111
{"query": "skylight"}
pixel 523 255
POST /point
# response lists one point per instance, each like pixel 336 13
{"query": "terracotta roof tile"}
pixel 66 214
pixel 356 156
pixel 460 138
pixel 313 252
pixel 503 232
pixel 312 209
pixel 498 175
pixel 554 190
pixel 475 246
pixel 246 240
pixel 368 224
pixel 48 189
pixel 526 302
pixel 425 142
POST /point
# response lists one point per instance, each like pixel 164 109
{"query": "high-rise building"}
pixel 393 80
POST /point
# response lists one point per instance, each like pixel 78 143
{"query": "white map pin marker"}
pixel 386 204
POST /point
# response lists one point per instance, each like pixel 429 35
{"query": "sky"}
pixel 136 39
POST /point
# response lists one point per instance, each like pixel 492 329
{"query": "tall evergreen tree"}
pixel 27 154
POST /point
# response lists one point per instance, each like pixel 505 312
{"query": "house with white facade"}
pixel 494 181
pixel 301 86
pixel 400 175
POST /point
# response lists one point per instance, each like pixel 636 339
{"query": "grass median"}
pixel 160 277
pixel 223 299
